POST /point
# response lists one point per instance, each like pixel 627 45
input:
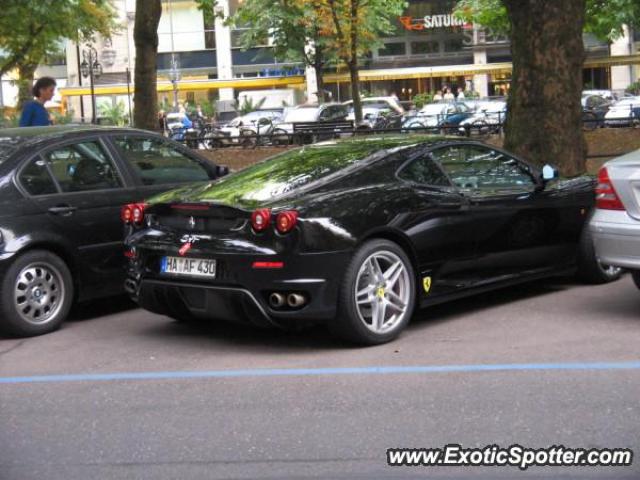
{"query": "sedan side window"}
pixel 158 162
pixel 36 180
pixel 424 171
pixel 473 167
pixel 81 167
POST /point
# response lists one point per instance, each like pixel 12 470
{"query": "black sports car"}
pixel 356 233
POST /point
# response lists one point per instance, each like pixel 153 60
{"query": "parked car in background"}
pixel 594 109
pixel 615 225
pixel 606 94
pixel 311 116
pixel 392 103
pixel 356 233
pixel 488 117
pixel 377 116
pixel 623 113
pixel 243 129
pixel 61 189
pixel 440 115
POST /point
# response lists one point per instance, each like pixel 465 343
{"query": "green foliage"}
pixel 30 30
pixel 9 118
pixel 248 105
pixel 114 114
pixel 421 99
pixel 634 88
pixel 604 18
pixel 62 118
pixel 208 108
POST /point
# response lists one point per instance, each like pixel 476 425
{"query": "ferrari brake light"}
pixel 125 214
pixel 133 213
pixel 285 221
pixel 137 213
pixel 261 219
pixel 606 195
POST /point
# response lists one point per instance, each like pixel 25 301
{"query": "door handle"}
pixel 62 210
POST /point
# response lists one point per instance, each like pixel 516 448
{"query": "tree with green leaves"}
pixel 545 122
pixel 352 29
pixel 31 30
pixel 293 27
pixel 145 37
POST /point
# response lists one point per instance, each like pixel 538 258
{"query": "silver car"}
pixel 615 225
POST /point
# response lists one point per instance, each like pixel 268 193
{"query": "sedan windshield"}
pixel 5 151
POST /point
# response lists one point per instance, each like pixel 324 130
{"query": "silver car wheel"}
pixel 382 291
pixel 39 293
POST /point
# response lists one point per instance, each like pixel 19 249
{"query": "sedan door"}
pixel 83 207
pixel 518 225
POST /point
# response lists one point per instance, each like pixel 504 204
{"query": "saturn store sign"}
pixel 430 22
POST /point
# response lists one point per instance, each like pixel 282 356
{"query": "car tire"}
pixel 635 275
pixel 37 294
pixel 590 269
pixel 356 322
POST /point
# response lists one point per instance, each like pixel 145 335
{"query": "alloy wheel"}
pixel 382 291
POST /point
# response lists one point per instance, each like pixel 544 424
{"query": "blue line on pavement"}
pixel 295 372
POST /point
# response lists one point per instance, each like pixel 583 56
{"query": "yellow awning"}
pixel 365 76
pixel 190 85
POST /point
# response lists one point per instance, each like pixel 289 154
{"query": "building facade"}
pixel 200 61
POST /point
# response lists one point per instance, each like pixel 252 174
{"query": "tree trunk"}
pixel 317 67
pixel 544 121
pixel 26 74
pixel 145 34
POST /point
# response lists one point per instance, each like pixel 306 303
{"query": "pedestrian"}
pixel 438 96
pixel 448 95
pixel 34 114
pixel 460 94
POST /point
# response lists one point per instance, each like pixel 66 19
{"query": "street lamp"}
pixel 174 77
pixel 90 67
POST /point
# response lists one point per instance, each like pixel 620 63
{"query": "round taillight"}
pixel 285 221
pixel 137 213
pixel 126 214
pixel 261 219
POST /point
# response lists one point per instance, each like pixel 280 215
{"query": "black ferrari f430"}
pixel 357 234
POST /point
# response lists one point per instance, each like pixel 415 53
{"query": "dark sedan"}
pixel 357 233
pixel 61 189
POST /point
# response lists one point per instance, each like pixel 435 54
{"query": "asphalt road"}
pixel 233 402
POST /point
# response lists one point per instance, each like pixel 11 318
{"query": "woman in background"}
pixel 34 114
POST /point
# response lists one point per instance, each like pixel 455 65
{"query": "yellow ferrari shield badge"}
pixel 426 284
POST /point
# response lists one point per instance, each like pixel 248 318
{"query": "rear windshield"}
pixel 290 170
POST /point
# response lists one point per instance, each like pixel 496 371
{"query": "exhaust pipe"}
pixel 277 300
pixel 295 300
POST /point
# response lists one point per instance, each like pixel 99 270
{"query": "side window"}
pixel 423 170
pixel 478 168
pixel 35 178
pixel 82 166
pixel 158 162
pixel 325 114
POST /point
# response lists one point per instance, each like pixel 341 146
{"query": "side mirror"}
pixel 549 173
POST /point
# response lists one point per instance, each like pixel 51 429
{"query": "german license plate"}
pixel 191 267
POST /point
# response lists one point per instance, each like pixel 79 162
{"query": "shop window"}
pixel 392 49
pixel 421 48
pixel 453 45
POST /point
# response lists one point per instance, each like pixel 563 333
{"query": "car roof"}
pixel 30 136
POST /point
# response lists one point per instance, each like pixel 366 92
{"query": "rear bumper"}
pixel 616 237
pixel 241 294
